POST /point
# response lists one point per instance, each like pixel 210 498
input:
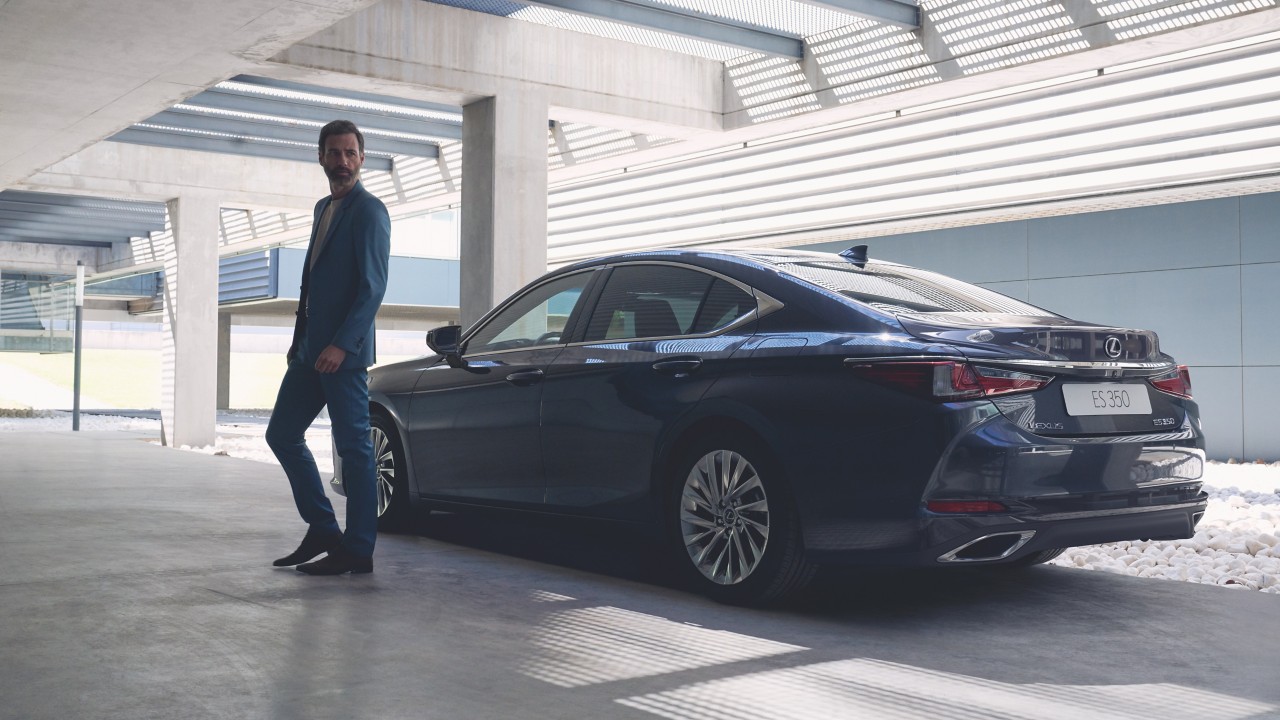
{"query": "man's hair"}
pixel 341 127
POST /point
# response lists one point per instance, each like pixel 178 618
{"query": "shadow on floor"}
pixel 636 553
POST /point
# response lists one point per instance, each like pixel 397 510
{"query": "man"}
pixel 343 280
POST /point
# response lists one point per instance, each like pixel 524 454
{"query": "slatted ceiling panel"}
pixel 379 183
pixel 864 51
pixel 1011 33
pixel 264 117
pixel 491 7
pixel 577 143
pixel 1136 18
pixel 968 26
pixel 235 225
pixel 339 100
pixel 1204 119
pixel 762 79
pixel 266 222
pixel 421 178
pixel 798 18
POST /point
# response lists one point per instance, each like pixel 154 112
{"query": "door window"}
pixel 536 318
pixel 647 301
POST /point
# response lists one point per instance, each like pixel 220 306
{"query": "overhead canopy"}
pixel 75 220
pixel 261 117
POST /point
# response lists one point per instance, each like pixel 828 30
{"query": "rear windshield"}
pixel 899 290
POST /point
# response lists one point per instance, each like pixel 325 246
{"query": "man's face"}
pixel 341 160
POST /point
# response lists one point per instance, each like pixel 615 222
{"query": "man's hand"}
pixel 330 359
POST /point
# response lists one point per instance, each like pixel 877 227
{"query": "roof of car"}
pixel 764 256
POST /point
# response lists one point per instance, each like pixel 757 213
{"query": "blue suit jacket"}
pixel 341 293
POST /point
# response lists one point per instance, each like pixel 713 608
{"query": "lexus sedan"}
pixel 769 411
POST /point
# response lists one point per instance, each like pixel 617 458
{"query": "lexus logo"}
pixel 1113 347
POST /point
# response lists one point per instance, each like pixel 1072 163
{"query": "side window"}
pixel 724 304
pixel 643 301
pixel 536 318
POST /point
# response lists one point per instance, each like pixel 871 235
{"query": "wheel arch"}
pixel 381 405
pixel 734 420
pixel 784 568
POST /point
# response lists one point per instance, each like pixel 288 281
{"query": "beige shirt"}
pixel 322 231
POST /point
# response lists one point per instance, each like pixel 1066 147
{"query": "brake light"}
pixel 995 381
pixel 947 379
pixel 1175 382
pixel 965 506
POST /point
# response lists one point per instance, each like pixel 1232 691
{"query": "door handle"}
pixel 678 367
pixel 525 377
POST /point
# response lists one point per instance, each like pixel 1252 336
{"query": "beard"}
pixel 340 177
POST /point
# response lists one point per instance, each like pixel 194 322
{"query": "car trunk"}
pixel 1100 375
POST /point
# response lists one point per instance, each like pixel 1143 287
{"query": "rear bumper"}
pixel 995 539
pixel 1060 492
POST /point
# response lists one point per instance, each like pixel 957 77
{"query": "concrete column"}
pixel 504 198
pixel 224 361
pixel 189 350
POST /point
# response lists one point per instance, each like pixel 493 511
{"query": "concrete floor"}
pixel 135 582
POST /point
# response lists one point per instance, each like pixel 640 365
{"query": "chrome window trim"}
pixel 1155 368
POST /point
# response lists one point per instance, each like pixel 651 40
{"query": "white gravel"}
pixel 1235 546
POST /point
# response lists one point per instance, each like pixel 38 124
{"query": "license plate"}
pixel 1106 399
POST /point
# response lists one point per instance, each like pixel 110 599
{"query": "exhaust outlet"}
pixel 988 548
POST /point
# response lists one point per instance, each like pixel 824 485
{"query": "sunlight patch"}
pixel 890 691
pixel 604 644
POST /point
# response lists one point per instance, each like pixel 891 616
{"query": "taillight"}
pixel 1175 382
pixel 995 381
pixel 947 379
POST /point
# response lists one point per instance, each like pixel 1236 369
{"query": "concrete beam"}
pixel 890 12
pixel 25 257
pixel 139 172
pixel 685 22
pixel 443 54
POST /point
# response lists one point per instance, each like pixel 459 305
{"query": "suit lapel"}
pixel 338 215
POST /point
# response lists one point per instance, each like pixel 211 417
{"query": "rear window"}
pixel 899 290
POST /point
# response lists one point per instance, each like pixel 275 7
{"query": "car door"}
pixel 654 343
pixel 474 432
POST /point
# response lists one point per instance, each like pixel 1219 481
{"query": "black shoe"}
pixel 313 544
pixel 338 562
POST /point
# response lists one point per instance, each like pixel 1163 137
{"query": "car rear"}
pixel 1046 432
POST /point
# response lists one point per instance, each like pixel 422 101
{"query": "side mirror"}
pixel 444 341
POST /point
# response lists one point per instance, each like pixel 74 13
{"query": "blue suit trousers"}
pixel 304 392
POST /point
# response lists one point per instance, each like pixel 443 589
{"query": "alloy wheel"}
pixel 384 463
pixel 724 517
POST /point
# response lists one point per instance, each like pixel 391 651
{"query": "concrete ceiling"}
pixel 74 72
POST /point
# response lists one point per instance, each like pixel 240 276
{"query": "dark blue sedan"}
pixel 773 410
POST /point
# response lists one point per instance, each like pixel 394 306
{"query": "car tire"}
pixel 395 511
pixel 741 546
